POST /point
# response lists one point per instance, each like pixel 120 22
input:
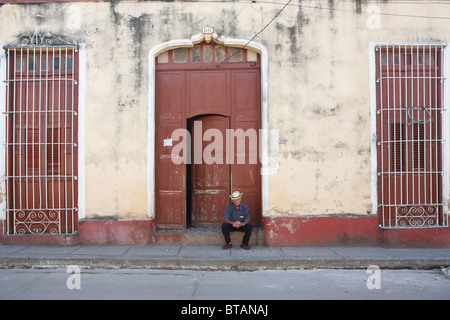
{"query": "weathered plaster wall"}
pixel 320 98
pixel 318 89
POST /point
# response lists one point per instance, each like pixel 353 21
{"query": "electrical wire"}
pixel 278 13
pixel 406 2
pixel 355 11
pixel 301 4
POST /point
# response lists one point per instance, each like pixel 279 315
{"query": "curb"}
pixel 220 264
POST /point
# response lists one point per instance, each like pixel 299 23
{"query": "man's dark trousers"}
pixel 227 228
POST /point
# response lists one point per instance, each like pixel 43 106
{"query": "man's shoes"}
pixel 229 245
pixel 243 246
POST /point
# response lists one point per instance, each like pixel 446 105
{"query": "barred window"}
pixel 409 90
pixel 41 136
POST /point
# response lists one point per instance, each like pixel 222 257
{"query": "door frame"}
pixel 165 46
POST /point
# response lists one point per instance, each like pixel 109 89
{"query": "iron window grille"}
pixel 41 135
pixel 411 128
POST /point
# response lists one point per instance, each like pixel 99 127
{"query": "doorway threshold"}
pixel 209 235
pixel 188 229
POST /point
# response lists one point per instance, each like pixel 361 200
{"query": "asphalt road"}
pixel 106 284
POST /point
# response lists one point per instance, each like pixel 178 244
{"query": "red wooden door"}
pixel 246 121
pixel 170 178
pixel 194 83
pixel 210 171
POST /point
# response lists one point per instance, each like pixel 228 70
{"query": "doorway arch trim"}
pixel 172 44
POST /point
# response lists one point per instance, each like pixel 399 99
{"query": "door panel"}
pixel 170 178
pixel 211 177
pixel 245 171
pixel 246 168
pixel 207 93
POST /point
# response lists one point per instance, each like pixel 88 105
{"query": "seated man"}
pixel 237 218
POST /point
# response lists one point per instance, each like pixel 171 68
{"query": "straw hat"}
pixel 236 195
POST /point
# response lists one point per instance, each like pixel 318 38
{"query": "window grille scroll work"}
pixel 39 40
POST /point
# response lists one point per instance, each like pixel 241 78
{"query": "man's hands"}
pixel 237 224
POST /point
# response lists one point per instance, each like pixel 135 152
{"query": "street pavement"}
pixel 214 258
pixel 187 290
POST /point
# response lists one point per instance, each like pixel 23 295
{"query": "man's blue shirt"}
pixel 233 214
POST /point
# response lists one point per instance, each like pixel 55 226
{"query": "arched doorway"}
pixel 206 79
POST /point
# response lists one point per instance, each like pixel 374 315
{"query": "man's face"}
pixel 237 202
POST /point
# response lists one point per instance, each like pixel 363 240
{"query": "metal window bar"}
pixel 41 139
pixel 410 135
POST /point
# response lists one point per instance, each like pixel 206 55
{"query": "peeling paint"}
pixel 289 227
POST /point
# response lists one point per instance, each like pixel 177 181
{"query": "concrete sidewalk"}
pixel 214 258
